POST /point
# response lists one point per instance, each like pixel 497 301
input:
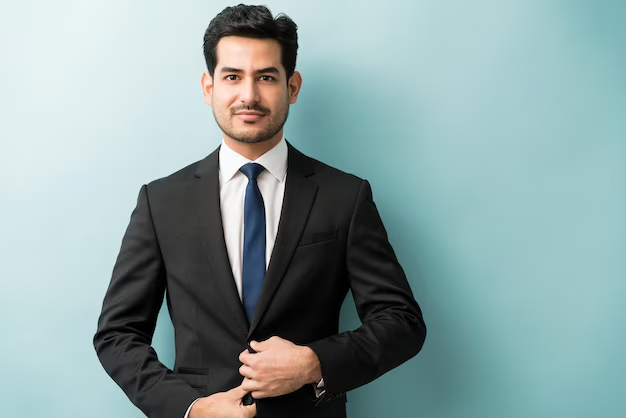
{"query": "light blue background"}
pixel 494 136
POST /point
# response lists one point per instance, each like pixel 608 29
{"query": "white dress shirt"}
pixel 233 185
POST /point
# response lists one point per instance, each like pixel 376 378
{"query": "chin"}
pixel 250 139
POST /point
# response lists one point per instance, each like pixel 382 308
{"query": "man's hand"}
pixel 278 367
pixel 223 405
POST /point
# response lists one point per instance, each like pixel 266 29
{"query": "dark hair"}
pixel 252 22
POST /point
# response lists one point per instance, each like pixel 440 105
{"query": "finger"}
pixel 267 344
pixel 246 371
pixel 243 356
pixel 249 385
pixel 249 359
pixel 250 410
pixel 257 346
pixel 259 394
pixel 238 392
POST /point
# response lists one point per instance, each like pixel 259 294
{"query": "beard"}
pixel 275 122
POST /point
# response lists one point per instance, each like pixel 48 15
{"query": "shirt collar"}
pixel 274 161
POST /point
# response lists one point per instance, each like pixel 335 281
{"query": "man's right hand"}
pixel 223 405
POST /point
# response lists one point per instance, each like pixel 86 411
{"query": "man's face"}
pixel 249 92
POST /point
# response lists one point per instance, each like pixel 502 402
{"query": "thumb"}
pixel 238 392
pixel 250 410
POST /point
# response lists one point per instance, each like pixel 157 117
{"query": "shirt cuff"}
pixel 189 409
pixel 319 388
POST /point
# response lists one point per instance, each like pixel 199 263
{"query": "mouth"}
pixel 249 116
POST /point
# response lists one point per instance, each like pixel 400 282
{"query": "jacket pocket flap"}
pixel 318 237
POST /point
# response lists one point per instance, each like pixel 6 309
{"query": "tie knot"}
pixel 252 170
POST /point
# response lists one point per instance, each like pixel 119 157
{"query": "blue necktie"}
pixel 253 240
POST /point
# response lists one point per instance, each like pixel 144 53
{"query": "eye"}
pixel 230 77
pixel 267 78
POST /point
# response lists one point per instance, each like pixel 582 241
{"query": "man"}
pixel 255 247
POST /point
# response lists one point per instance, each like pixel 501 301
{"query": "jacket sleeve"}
pixel 392 329
pixel 128 319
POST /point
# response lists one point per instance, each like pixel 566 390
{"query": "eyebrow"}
pixel 271 70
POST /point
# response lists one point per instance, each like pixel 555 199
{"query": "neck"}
pixel 252 151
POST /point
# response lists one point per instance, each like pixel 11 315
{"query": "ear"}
pixel 295 83
pixel 207 88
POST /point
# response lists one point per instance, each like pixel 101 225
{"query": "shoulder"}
pixel 338 190
pixel 326 174
pixel 185 176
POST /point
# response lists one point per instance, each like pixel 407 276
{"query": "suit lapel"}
pixel 206 198
pixel 300 191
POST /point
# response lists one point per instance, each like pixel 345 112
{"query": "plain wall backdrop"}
pixel 494 136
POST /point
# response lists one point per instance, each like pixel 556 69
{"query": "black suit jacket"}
pixel 330 239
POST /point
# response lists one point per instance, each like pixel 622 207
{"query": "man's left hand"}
pixel 278 367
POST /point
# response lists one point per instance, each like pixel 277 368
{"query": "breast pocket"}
pixel 318 237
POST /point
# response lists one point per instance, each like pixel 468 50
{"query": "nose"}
pixel 249 93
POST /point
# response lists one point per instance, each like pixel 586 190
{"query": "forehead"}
pixel 248 54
